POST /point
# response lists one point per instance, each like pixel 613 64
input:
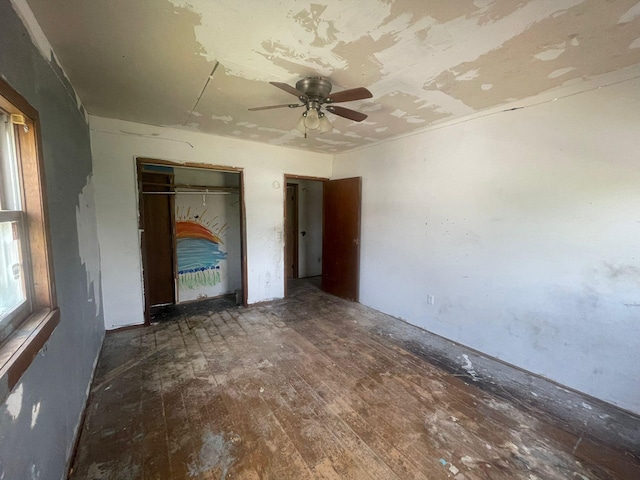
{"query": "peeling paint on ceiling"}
pixel 425 62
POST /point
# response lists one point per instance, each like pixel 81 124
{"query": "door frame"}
pixel 295 227
pixel 140 162
pixel 287 178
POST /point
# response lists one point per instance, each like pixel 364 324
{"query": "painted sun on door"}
pixel 202 262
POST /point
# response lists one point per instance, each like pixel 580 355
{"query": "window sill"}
pixel 17 353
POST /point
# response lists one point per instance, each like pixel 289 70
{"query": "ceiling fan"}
pixel 314 93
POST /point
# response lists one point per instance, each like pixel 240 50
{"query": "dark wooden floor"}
pixel 305 389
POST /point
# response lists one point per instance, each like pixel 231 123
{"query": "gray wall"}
pixel 39 419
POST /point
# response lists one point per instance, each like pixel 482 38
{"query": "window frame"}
pixel 11 211
pixel 33 330
pixel 19 313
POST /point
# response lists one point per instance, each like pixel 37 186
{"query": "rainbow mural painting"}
pixel 198 251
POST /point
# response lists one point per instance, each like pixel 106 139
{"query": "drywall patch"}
pixel 352 135
pixel 35 473
pixel 335 142
pixel 223 118
pixel 14 402
pixel 301 32
pixel 551 53
pixel 370 107
pixel 470 75
pixel 630 14
pixel 88 241
pixel 286 137
pixel 324 30
pixel 579 28
pixel 35 412
pixel 560 72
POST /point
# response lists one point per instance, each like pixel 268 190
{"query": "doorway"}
pixel 192 233
pixel 322 234
pixel 303 229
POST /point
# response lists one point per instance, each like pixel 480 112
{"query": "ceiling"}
pixel 425 62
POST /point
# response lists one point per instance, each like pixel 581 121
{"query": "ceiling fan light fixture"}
pixel 311 119
pixel 313 94
pixel 325 124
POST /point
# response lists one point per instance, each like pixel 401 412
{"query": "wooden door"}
pixel 341 237
pixel 291 228
pixel 158 238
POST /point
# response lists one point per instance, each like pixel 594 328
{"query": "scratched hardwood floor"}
pixel 306 389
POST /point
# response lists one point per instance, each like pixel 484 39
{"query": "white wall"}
pixel 115 145
pixel 525 227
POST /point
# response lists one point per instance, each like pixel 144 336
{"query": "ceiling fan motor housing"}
pixel 315 88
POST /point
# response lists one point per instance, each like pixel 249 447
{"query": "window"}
pixel 15 285
pixel 28 312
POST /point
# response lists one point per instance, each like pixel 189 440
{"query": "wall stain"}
pixel 617 272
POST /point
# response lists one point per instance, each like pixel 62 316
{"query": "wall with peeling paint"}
pixel 524 226
pixel 40 418
pixel 115 145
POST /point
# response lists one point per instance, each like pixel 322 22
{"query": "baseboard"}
pixel 577 412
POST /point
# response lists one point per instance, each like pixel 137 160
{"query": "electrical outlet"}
pixel 431 299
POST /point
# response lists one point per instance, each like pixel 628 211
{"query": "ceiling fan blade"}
pixel 290 105
pixel 346 113
pixel 349 95
pixel 288 88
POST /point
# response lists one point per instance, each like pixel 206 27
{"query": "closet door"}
pixel 158 238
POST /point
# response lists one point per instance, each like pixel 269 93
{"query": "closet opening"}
pixel 192 234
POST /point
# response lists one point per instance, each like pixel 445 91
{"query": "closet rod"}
pixel 189 193
pixel 192 187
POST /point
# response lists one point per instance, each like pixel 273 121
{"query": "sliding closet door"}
pixel 158 238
